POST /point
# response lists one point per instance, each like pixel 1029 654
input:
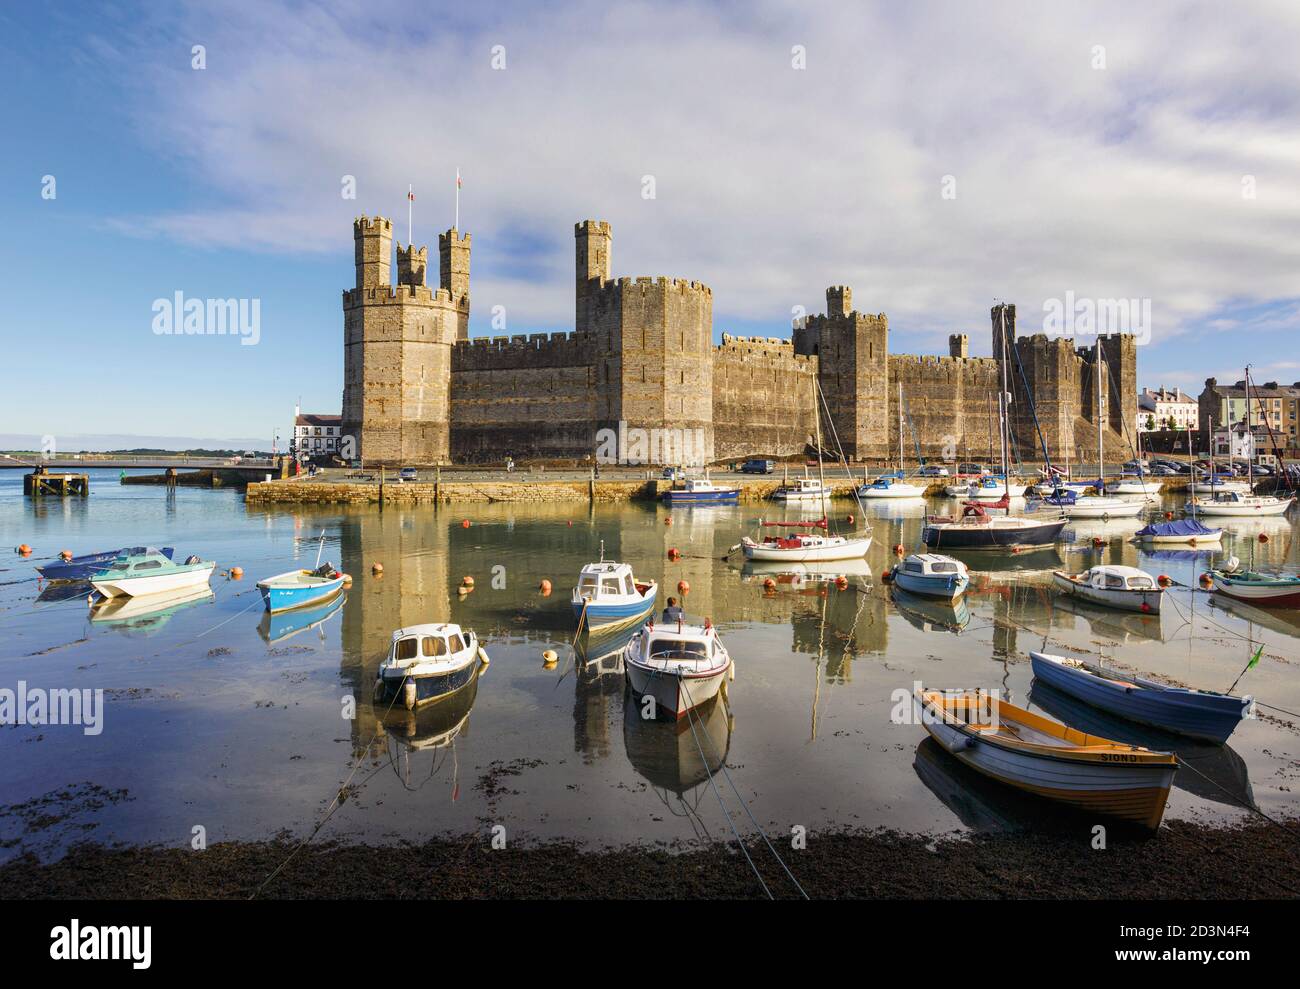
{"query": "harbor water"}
pixel 223 722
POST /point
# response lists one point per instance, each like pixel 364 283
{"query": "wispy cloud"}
pixel 771 182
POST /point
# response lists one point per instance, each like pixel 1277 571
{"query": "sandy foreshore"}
pixel 1184 861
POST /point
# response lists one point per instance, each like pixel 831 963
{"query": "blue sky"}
pixel 1113 177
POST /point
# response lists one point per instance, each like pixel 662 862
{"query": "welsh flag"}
pixel 458 182
pixel 410 195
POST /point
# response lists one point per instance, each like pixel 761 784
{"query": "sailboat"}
pixel 1229 502
pixel 811 545
pixel 1101 506
pixel 1136 483
pixel 887 486
pixel 975 528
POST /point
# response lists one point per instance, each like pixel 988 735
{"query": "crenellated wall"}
pixel 763 398
pixel 951 406
pixel 528 396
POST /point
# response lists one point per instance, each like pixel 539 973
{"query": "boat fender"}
pixel 376 568
pixel 967 742
pixel 378 692
pixel 408 693
pixel 549 658
pixel 483 656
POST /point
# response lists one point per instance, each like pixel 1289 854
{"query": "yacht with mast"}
pixel 893 486
pixel 976 528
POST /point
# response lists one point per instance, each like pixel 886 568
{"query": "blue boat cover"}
pixel 1181 527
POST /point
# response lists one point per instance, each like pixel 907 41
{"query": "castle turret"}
pixel 453 264
pixel 373 241
pixel 592 241
pixel 958 345
pixel 411 264
pixel 1003 314
pixel 839 300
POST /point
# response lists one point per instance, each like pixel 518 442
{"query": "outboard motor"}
pixel 192 559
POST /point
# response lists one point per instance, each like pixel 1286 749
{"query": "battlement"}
pixel 600 227
pixel 521 351
pixel 397 295
pixel 735 348
pixel 362 225
pixel 454 236
pixel 643 283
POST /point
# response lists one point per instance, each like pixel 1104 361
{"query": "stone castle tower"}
pixel 397 342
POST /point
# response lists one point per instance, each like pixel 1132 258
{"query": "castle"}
pixel 417 390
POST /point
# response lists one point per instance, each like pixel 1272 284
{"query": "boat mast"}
pixel 1004 408
pixel 1191 463
pixel 900 428
pixel 1250 472
pixel 821 474
pixel 1101 467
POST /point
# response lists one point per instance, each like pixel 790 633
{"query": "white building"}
pixel 1165 409
pixel 316 435
pixel 1236 442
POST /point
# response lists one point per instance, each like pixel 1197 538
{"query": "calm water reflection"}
pixel 220 716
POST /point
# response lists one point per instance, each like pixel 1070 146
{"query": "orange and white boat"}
pixel 1035 754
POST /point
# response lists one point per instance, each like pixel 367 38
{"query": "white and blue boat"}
pixel 427 662
pixel 609 596
pixel 1179 531
pixel 301 588
pixel 701 491
pixel 932 575
pixel 150 572
pixel 1203 714
pixel 82 568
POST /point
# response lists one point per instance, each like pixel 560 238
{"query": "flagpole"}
pixel 410 201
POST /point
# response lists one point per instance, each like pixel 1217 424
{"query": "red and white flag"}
pixel 458 178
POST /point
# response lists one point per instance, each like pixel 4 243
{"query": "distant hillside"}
pixel 127 443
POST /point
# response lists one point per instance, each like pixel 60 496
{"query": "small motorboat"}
pixel 82 568
pixel 977 529
pixel 805 547
pixel 608 596
pixel 1281 589
pixel 1187 532
pixel 426 662
pixel 150 572
pixel 993 487
pixel 301 588
pixel 1126 588
pixel 1102 507
pixel 805 490
pixel 1203 714
pixel 701 491
pixel 890 486
pixel 1234 504
pixel 1133 484
pixel 681 666
pixel 1035 754
pixel 932 575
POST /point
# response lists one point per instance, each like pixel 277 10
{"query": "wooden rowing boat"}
pixel 1035 754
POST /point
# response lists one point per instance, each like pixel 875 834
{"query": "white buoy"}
pixel 408 694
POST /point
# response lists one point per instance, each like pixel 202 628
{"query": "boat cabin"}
pixel 692 644
pixel 805 485
pixel 1117 578
pixel 608 582
pixel 425 643
pixel 140 563
pixel 932 564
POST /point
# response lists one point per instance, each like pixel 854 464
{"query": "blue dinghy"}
pixel 608 596
pixel 300 588
pixel 1196 713
pixel 85 567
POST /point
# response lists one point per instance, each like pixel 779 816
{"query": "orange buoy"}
pixel 467 581
pixel 1206 580
pixel 900 549
pixel 464 523
pixel 1263 537
pixel 1163 580
pixel 849 518
pixel 841 582
pixel 544 587
pixel 888 576
pixel 347 580
pixel 65 555
pixel 376 568
pixel 683 587
pixel 570 523
pixel 769 584
pixel 1168 516
pixel 1146 608
pixel 236 573
pixel 1098 541
pixel 24 549
pixel 668 520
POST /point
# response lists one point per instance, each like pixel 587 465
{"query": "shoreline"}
pixel 1251 860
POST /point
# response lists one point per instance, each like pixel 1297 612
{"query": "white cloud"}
pixel 772 183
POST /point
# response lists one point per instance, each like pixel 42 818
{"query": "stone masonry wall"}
pixel 762 398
